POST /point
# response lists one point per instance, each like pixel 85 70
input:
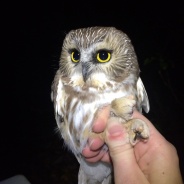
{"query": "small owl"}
pixel 98 67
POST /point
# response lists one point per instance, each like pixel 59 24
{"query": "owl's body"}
pixel 97 66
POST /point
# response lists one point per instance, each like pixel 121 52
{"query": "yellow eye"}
pixel 103 56
pixel 75 56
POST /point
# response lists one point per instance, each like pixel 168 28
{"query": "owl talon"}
pixel 138 130
pixel 137 135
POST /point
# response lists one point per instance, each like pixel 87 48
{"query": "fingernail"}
pixel 115 129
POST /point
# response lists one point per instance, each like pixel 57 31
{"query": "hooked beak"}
pixel 85 71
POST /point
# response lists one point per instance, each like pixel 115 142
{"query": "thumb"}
pixel 117 139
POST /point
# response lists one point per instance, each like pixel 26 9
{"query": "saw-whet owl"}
pixel 98 66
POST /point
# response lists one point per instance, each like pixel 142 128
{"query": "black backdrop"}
pixel 31 42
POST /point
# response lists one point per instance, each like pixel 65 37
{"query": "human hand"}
pixel 155 161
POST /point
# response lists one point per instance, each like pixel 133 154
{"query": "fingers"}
pixel 93 151
pixel 95 144
pixel 93 148
pixel 88 153
pixel 101 119
pixel 95 156
pixel 99 126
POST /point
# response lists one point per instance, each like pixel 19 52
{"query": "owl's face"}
pixel 93 57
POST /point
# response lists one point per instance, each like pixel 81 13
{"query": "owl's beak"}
pixel 85 71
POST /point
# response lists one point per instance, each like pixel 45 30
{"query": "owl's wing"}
pixel 57 96
pixel 142 96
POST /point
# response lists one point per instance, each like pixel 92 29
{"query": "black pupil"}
pixel 103 55
pixel 76 55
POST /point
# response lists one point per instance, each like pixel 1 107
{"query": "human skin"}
pixel 152 162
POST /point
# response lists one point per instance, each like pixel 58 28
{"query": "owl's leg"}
pixel 123 107
pixel 138 130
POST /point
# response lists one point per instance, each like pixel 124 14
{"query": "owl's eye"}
pixel 103 56
pixel 75 56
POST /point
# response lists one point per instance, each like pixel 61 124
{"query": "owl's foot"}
pixel 123 107
pixel 138 130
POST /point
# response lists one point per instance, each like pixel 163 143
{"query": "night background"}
pixel 32 37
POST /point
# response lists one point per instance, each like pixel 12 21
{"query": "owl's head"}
pixel 95 56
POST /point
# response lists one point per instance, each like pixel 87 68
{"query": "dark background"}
pixel 31 42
